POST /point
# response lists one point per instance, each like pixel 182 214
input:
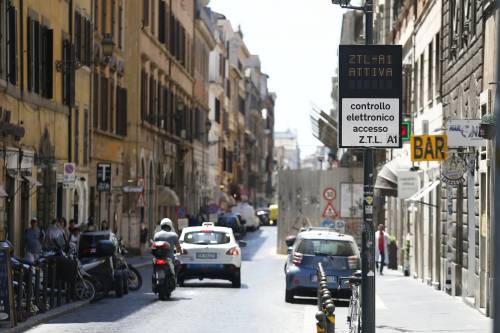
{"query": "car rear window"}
pixel 327 247
pixel 207 238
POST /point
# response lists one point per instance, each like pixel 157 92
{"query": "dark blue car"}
pixel 337 252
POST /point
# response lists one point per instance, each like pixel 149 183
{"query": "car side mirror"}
pixel 290 240
pixel 242 243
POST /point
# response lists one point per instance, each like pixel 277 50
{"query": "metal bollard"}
pixel 326 307
pixel 321 324
pixel 330 318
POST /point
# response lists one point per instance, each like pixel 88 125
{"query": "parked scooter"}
pixel 163 279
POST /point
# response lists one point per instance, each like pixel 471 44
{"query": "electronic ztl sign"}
pixel 370 92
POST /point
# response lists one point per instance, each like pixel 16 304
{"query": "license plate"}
pixel 329 278
pixel 206 267
pixel 203 255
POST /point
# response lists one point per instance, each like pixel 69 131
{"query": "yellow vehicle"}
pixel 273 214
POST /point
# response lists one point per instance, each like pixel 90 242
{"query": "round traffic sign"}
pixel 329 194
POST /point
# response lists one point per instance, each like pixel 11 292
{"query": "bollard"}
pixel 321 324
pixel 29 289
pixel 330 318
pixel 52 274
pixel 45 285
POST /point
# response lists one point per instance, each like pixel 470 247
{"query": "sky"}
pixel 297 42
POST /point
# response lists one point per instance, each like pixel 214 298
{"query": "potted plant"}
pixel 487 127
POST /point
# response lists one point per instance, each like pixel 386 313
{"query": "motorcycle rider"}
pixel 168 234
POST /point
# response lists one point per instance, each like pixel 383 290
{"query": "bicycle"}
pixel 354 313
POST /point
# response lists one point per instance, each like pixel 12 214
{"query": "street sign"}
pixel 69 176
pixel 429 148
pixel 464 133
pixel 329 194
pixel 103 177
pixel 408 184
pixel 329 211
pixel 181 212
pixel 370 92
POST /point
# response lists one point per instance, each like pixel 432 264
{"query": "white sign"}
pixel 370 122
pixel 69 177
pixel 464 133
pixel 408 184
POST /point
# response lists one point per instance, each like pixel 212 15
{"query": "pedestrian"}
pixel 74 240
pixel 55 236
pixel 90 224
pixel 104 225
pixel 143 238
pixel 381 248
pixel 33 238
pixel 64 226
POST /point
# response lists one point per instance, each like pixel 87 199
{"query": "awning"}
pixel 3 193
pixel 167 196
pixel 33 182
pixel 424 191
pixel 387 178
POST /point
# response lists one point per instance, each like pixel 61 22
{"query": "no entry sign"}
pixel 370 91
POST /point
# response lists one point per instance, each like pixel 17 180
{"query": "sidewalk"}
pixel 136 261
pixel 406 305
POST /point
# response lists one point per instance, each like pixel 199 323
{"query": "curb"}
pixel 45 317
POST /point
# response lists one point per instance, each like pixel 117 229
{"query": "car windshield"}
pixel 327 247
pixel 207 238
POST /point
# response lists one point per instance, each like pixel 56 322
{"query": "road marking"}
pixel 379 304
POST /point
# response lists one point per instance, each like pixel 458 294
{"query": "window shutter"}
pixel 30 54
pixel 104 107
pixel 95 100
pixel 161 21
pixel 78 31
pixel 145 13
pixel 88 42
pixel 12 45
pixel 47 66
pixel 37 55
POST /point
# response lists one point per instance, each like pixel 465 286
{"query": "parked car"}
pixel 247 212
pixel 210 252
pixel 232 221
pixel 338 253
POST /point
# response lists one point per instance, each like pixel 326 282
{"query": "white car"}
pixel 209 252
pixel 247 212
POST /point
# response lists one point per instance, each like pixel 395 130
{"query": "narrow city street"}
pixel 403 305
pixel 204 306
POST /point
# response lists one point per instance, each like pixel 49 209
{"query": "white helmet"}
pixel 166 222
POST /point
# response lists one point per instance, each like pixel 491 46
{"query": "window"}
pixel 162 21
pixel 68 83
pixel 120 27
pixel 144 95
pixel 113 19
pixel 217 110
pixel 103 16
pixel 158 115
pixel 327 247
pixel 104 105
pixel 228 88
pixel 145 13
pixel 121 111
pixel 112 105
pixel 77 135
pixel 95 100
pixel 241 105
pixel 207 238
pixel 86 137
pixel 407 90
pixel 96 13
pixel 437 68
pixel 430 81
pixel 12 44
pixel 421 82
pixel 39 58
pixel 152 99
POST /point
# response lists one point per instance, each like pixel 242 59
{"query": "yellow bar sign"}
pixel 429 148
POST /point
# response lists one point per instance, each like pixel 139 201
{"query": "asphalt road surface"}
pixel 210 306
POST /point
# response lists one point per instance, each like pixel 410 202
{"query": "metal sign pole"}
pixel 368 246
pixel 496 215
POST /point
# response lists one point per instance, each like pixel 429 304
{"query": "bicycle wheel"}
pixel 134 278
pixel 84 290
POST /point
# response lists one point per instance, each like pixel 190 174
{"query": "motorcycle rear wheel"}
pixel 84 290
pixel 134 279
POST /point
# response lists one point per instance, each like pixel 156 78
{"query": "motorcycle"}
pixel 163 279
pixel 263 216
pixel 134 280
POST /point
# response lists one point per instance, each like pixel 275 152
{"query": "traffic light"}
pixel 405 131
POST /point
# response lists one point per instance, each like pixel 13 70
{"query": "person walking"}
pixel 143 239
pixel 55 236
pixel 33 238
pixel 381 248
